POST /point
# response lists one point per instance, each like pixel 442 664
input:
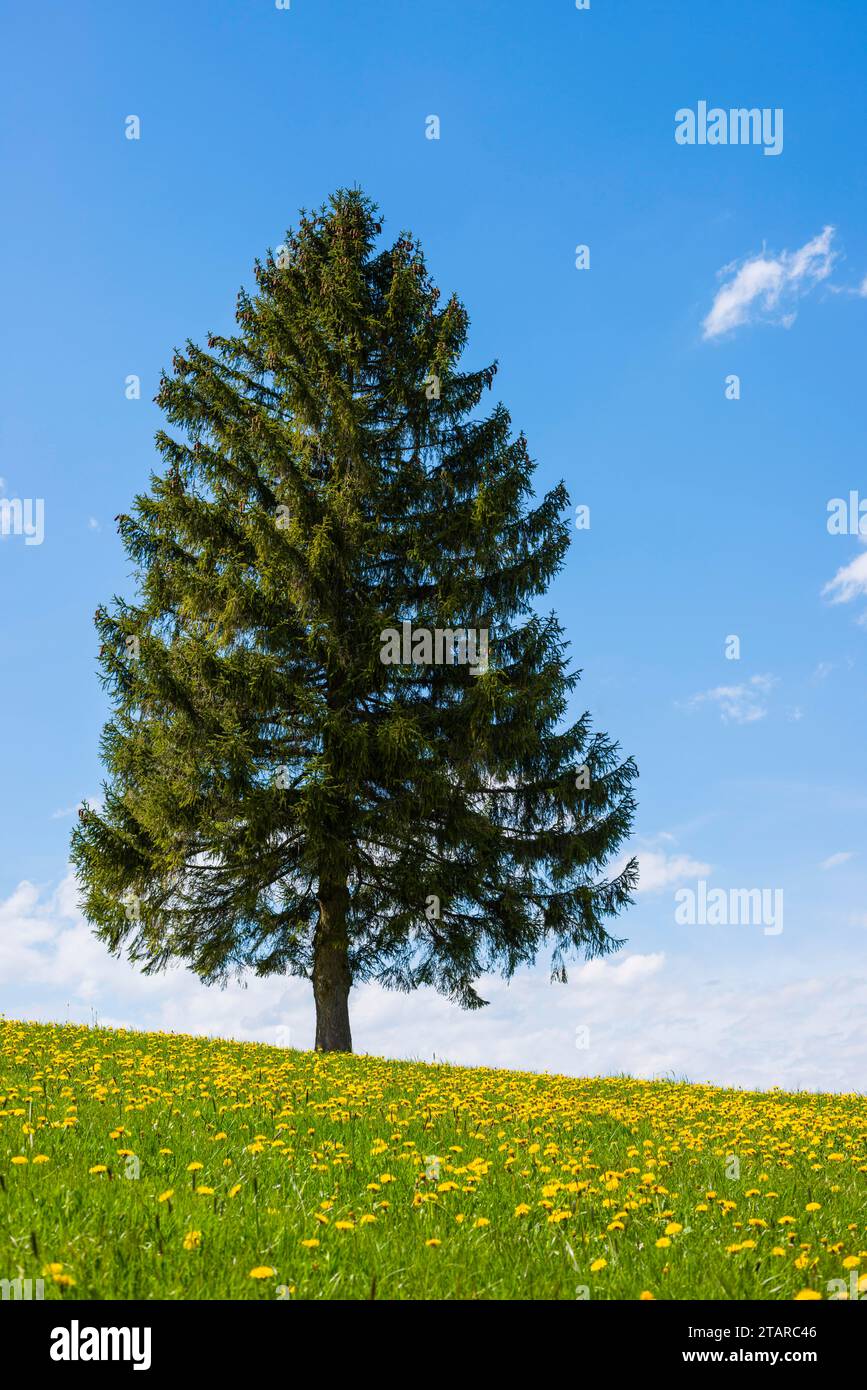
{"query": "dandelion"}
pixel 663 1243
pixel 192 1240
pixel 597 1265
pixel 262 1272
pixel 98 1168
pixel 310 1244
pixel 167 1195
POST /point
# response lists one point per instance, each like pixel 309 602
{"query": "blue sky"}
pixel 708 515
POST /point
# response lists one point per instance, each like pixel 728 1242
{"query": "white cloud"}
pixel 860 291
pixel 646 1015
pixel 834 860
pixel 658 871
pixel 63 812
pixel 849 582
pixel 740 704
pixel 766 286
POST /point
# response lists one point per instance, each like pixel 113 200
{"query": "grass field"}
pixel 149 1165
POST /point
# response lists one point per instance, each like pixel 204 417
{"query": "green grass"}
pixel 297 1146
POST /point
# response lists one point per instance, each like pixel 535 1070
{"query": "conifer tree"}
pixel 280 798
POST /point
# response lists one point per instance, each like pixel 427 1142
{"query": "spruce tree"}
pixel 279 798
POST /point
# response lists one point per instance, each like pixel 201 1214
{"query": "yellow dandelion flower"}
pixel 262 1272
pixel 167 1195
pixel 192 1240
pixel 663 1243
pixel 310 1244
pixel 806 1294
pixel 597 1265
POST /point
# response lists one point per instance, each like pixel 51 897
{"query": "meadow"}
pixel 151 1165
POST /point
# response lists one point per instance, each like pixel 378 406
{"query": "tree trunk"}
pixel 331 975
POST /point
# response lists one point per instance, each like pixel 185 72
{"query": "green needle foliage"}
pixel 279 798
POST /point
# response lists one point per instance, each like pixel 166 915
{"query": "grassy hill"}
pixel 150 1165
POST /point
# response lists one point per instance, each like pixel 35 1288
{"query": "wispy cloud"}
pixel 658 871
pixel 767 287
pixel 834 860
pixel 95 802
pixel 738 704
pixel 849 582
pixel 860 291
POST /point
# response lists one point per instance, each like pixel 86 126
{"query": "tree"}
pixel 281 796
